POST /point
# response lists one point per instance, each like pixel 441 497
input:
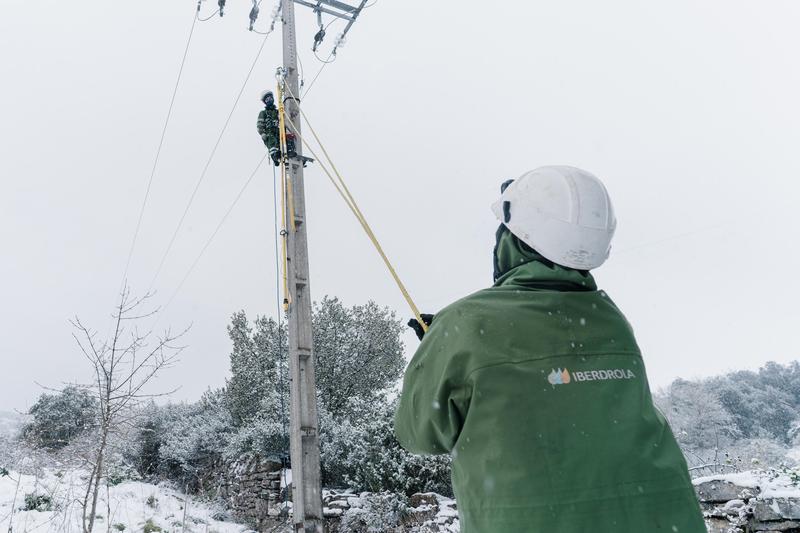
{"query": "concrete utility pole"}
pixel 304 439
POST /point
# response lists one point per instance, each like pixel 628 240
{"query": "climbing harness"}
pixel 344 192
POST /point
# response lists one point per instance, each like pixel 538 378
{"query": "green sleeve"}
pixel 434 401
pixel 261 124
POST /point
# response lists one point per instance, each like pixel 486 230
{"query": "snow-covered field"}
pixel 128 507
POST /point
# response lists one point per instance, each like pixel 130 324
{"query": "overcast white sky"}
pixel 688 110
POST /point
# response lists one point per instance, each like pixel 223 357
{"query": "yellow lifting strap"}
pixel 344 192
pixel 285 189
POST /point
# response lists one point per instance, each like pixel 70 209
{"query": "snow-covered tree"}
pixel 194 437
pixel 697 417
pixel 361 452
pixel 758 406
pixel 358 352
pixel 60 417
pixel 121 366
pixel 358 355
pixel 259 374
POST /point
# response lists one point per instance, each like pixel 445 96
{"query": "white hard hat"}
pixel 264 95
pixel 564 213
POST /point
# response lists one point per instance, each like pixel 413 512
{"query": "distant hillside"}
pixel 738 419
pixel 10 423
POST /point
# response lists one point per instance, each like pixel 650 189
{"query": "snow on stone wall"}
pixel 758 501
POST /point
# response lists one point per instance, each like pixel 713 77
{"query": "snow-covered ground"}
pixel 128 507
pixel 767 484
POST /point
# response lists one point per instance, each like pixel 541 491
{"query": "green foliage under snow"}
pixel 59 418
pixel 359 358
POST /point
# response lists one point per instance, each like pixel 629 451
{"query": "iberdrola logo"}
pixel 559 377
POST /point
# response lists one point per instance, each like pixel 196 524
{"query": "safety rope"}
pixel 281 352
pixel 344 192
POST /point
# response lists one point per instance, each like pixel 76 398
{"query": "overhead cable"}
pixel 158 150
pixel 208 164
pixel 216 230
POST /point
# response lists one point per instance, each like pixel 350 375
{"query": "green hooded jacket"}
pixel 537 389
pixel 268 126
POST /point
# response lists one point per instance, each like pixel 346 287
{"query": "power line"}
pixel 325 63
pixel 208 163
pixel 211 16
pixel 158 152
pixel 216 230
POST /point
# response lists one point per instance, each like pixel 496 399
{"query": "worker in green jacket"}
pixel 537 388
pixel 268 126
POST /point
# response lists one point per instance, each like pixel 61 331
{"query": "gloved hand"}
pixel 417 327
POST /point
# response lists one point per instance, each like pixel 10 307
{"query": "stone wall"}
pixel 251 489
pixel 423 513
pixel 732 508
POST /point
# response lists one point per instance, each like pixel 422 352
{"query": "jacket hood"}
pixel 516 263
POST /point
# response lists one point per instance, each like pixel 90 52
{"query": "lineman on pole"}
pixel 536 385
pixel 268 126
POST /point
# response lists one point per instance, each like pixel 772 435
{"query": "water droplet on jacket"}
pixel 583 321
pixel 435 404
pixel 482 332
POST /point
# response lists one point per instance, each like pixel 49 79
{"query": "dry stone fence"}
pixel 254 492
pixel 733 508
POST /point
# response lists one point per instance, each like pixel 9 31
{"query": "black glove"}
pixel 417 327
